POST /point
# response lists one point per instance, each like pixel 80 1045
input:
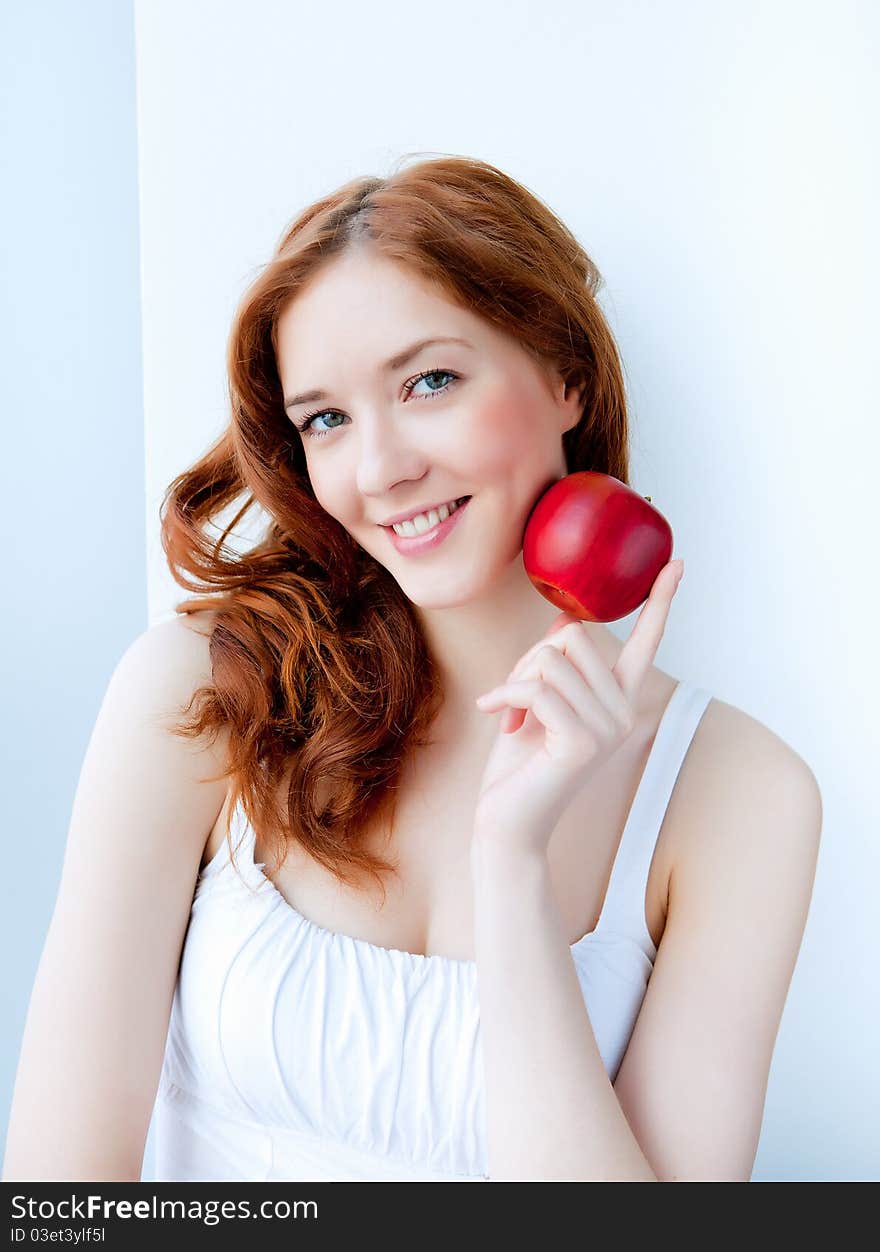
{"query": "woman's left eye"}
pixel 408 387
pixel 305 424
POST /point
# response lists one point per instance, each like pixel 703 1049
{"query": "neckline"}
pixel 424 960
pixel 429 960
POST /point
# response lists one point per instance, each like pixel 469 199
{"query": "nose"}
pixel 386 456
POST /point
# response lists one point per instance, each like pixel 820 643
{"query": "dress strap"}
pixel 623 910
pixel 243 840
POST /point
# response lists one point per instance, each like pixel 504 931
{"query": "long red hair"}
pixel 321 675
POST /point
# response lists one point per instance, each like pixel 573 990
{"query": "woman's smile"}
pixel 415 544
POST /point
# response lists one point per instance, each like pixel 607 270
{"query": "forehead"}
pixel 360 310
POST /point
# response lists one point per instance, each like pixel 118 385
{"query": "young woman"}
pixel 350 921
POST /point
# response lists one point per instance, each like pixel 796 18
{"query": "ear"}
pixel 571 401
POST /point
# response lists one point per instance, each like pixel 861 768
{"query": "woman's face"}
pixel 482 421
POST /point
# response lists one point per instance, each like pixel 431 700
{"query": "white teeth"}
pixel 424 521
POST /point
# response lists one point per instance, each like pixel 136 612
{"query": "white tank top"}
pixel 296 1053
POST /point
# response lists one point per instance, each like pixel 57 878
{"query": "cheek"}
pixel 331 495
pixel 513 445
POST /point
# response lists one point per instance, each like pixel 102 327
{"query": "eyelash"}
pixel 304 424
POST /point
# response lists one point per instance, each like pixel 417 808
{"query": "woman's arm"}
pixel 693 1081
pixel 98 1016
pixel 552 1112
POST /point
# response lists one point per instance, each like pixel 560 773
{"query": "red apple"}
pixel 594 547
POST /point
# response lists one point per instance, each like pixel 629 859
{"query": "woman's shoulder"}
pixel 200 624
pixel 183 639
pixel 173 658
pixel 734 738
pixel 741 785
pixel 726 734
pixel 737 773
pixel 742 827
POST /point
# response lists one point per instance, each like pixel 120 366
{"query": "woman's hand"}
pixel 577 713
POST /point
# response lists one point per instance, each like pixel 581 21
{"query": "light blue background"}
pixel 74 552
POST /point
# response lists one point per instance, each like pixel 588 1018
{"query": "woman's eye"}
pixel 424 377
pixel 305 426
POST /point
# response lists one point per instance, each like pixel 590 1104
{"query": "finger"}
pixel 548 706
pixel 637 655
pixel 575 644
pixel 514 718
pixel 572 640
pixel 562 673
pixel 559 668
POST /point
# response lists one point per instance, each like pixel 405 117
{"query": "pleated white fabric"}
pixel 295 1053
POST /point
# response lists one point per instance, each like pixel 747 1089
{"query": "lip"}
pixel 413 545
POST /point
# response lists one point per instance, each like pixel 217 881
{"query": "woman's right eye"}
pixel 304 426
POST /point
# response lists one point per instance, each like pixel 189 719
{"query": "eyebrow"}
pixel 396 363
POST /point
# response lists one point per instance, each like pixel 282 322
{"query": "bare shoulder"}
pixel 742 788
pixel 200 624
pixel 747 819
pixel 731 742
pixel 175 651
pixel 155 680
pixel 189 628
